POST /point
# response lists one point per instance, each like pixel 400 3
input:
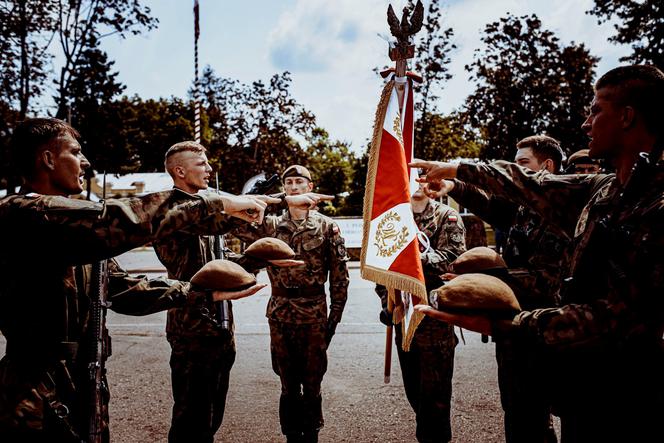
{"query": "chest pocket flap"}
pixel 313 243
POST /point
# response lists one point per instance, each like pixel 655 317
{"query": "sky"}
pixel 329 46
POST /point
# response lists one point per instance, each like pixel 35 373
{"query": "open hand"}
pixel 286 262
pixel 235 295
pixel 472 323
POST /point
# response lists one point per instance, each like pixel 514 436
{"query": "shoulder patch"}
pixel 452 217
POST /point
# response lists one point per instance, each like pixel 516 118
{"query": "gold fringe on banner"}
pixel 389 279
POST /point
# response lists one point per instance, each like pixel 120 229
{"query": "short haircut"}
pixel 641 87
pixel 186 146
pixel 544 147
pixel 34 135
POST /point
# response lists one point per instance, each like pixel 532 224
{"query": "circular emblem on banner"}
pixel 389 238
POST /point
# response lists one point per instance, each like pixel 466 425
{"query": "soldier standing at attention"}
pixel 428 367
pixel 536 254
pixel 202 352
pixel 606 336
pixel 48 240
pixel 300 326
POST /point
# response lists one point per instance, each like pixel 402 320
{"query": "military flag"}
pixel 390 249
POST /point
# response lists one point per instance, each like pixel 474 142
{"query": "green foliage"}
pixel 331 165
pixel 641 25
pixel 253 128
pixel 353 204
pixel 26 31
pixel 527 83
pixel 447 138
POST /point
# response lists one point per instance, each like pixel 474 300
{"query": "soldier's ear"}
pixel 628 116
pixel 47 158
pixel 179 171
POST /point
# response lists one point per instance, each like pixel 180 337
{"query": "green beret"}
pixel 477 294
pixel 296 171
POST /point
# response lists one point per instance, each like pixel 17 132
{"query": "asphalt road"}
pixel 357 405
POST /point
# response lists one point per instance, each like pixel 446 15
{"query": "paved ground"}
pixel 358 406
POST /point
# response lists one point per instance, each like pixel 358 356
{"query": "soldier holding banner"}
pixel 428 367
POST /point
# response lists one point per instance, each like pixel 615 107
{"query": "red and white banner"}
pixel 390 250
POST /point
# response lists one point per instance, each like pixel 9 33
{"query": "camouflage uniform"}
pixel 428 367
pixel 536 254
pixel 202 354
pixel 300 327
pixel 606 337
pixel 44 302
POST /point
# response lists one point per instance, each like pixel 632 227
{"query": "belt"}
pixel 306 291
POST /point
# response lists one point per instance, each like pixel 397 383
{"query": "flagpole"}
pixel 197 106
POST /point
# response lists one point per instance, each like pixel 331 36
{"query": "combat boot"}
pixel 294 438
pixel 310 437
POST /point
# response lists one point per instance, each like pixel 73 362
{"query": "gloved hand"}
pixel 385 317
pixel 330 330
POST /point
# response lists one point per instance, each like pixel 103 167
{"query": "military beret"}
pixel 296 171
pixel 478 259
pixel 582 156
pixel 269 248
pixel 223 275
pixel 477 294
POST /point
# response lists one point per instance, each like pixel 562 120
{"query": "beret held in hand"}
pixel 478 259
pixel 477 294
pixel 223 275
pixel 269 248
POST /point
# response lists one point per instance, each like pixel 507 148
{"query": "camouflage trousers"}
pixel 524 381
pixel 200 372
pixel 299 358
pixel 427 377
pixel 39 405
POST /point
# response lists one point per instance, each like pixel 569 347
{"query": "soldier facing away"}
pixel 606 337
pixel 48 240
pixel 300 327
pixel 428 367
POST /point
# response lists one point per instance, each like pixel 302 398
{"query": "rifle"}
pixel 262 187
pixel 100 346
pixel 222 314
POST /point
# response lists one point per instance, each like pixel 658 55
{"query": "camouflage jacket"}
pixel 44 297
pixel 49 235
pixel 537 253
pixel 617 266
pixel 318 242
pixel 183 255
pixel 444 228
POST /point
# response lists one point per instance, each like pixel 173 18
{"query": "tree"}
pixel 26 32
pixel 93 87
pixel 331 164
pixel 432 56
pixel 448 138
pixel 81 21
pixel 353 204
pixel 527 83
pixel 641 25
pixel 253 128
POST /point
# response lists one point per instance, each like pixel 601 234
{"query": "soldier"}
pixel 202 352
pixel 581 163
pixel 428 367
pixel 47 239
pixel 300 327
pixel 536 254
pixel 606 337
